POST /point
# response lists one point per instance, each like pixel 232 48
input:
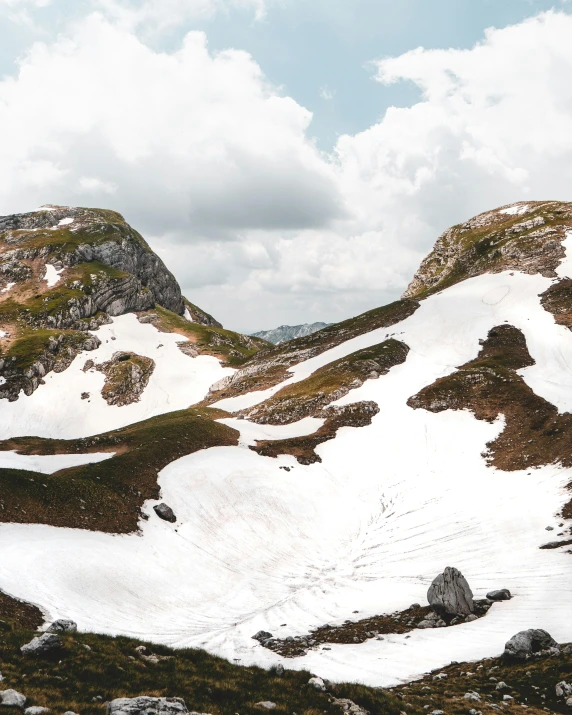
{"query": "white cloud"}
pixel 201 154
pixel 189 143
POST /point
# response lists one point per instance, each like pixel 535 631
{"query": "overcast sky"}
pixel 290 160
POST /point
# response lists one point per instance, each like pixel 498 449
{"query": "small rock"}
pixel 471 695
pixel 502 594
pixel 262 636
pixel 317 683
pixel 36 710
pixel 472 711
pixel 266 705
pixel 507 697
pixel 62 625
pixel 440 676
pixel 426 624
pixel 501 686
pixel 46 643
pixel 563 689
pixel 522 645
pixel 437 712
pixel 278 670
pixel 70 712
pixel 144 705
pixel 549 528
pixel 471 617
pixel 12 699
pixel 165 512
pixel 569 703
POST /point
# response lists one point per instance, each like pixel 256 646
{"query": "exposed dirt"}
pixel 358 414
pixel 106 496
pixel 535 433
pixel 360 631
pixel 18 614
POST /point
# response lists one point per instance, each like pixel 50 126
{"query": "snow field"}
pixel 368 529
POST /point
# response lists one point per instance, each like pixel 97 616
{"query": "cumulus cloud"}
pixel 188 143
pixel 215 166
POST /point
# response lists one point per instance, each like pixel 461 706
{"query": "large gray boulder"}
pixel 62 625
pixel 450 594
pixel 145 705
pixel 46 643
pixel 12 699
pixel 502 594
pixel 522 645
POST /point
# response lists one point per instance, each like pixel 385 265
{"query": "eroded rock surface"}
pixel 126 376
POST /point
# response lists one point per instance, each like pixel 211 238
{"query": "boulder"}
pixel 522 645
pixel 36 710
pixel 12 699
pixel 502 594
pixel 165 512
pixel 450 593
pixel 266 705
pixel 144 705
pixel 46 643
pixel 62 625
pixel 262 636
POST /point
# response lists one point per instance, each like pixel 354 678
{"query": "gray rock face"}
pixel 144 705
pixel 522 645
pixel 165 512
pixel 502 594
pixel 289 332
pixel 46 643
pixel 62 625
pixel 450 593
pixel 12 699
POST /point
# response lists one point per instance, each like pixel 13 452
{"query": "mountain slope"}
pixel 463 461
pixel 289 332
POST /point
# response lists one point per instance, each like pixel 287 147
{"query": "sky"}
pixel 290 161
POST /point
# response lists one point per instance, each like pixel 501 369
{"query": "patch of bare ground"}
pixel 106 496
pixel 358 414
pixel 270 365
pixel 529 685
pixel 535 433
pixel 327 384
pixel 18 614
pixel 351 632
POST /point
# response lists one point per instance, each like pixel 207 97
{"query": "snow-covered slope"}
pixel 263 543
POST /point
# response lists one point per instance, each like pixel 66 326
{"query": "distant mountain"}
pixel 289 332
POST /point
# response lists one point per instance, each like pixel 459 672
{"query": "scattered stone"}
pixel 12 699
pixel 165 512
pixel 507 697
pixel 569 703
pixel 563 689
pixel 349 706
pixel 472 711
pixel 262 636
pixel 145 705
pixel 36 710
pixel 278 670
pixel 149 657
pixel 266 705
pixel 41 645
pixel 440 676
pixel 549 528
pixel 63 625
pixel 471 695
pixel 85 395
pixel 450 593
pixel 501 686
pixel 522 645
pixel 317 683
pixel 471 617
pixel 502 594
pixel 70 712
pixel 437 712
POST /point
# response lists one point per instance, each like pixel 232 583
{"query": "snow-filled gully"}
pixel 391 505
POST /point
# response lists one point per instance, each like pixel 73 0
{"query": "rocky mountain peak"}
pixel 525 236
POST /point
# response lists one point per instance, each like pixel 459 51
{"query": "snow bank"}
pixel 48 464
pixel 52 276
pixel 57 410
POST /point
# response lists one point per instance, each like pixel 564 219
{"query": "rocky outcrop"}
pixel 42 645
pixel 126 376
pixel 526 643
pixel 62 625
pixel 145 705
pixel 522 237
pixel 57 355
pixel 450 593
